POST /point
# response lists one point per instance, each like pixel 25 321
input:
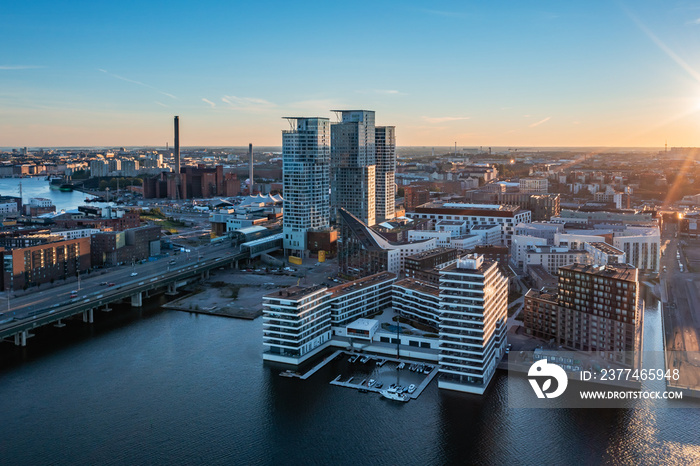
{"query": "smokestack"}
pixel 177 145
pixel 250 168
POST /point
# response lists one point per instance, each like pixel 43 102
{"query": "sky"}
pixel 526 73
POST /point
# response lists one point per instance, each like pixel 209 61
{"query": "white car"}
pixel 133 274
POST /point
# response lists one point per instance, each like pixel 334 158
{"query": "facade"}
pixel 110 248
pixel 415 196
pixel 597 309
pixel 552 258
pixel 520 246
pixel 360 298
pixel 475 214
pixel 296 323
pixel 540 230
pixel 417 300
pixel 642 247
pixel 603 254
pixel 362 251
pixel 534 185
pixel 353 165
pixel 306 165
pixel 473 321
pixel 385 192
pixel 43 263
pixel 422 266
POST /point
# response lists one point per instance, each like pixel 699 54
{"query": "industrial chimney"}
pixel 250 168
pixel 177 146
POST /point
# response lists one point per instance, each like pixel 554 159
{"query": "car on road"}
pixel 103 283
pixel 111 284
pixel 74 294
pixel 133 274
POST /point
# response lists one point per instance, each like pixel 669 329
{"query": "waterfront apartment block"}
pixel 473 323
pixel 296 323
pixel 305 166
pixel 360 298
pixel 475 214
pixel 417 300
pixel 597 309
pixel 642 247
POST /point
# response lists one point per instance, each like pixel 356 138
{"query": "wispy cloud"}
pixel 213 105
pixel 20 67
pixel 136 82
pixel 162 104
pixel 538 123
pixel 247 103
pixel 695 21
pixel 444 119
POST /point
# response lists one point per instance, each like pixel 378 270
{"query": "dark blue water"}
pixel 38 187
pixel 165 387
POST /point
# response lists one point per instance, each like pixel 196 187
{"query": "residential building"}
pixel 353 165
pixel 473 319
pixel 385 191
pixel 296 323
pixel 417 300
pixel 597 309
pixel 475 214
pixel 306 165
pixel 642 247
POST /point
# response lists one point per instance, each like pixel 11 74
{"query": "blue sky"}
pixel 477 73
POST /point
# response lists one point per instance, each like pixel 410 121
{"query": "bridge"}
pixel 45 310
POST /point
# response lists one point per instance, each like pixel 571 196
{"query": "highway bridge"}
pixel 52 306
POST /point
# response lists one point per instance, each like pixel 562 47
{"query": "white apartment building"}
pixel 642 247
pixel 534 185
pixel 359 298
pixel 603 254
pixel 475 214
pixel 305 166
pixel 99 168
pixel 540 230
pixel 296 323
pixel 416 300
pixel 519 247
pixel 489 234
pixel 74 234
pixel 8 207
pixel 552 257
pixel 473 321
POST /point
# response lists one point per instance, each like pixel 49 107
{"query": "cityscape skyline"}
pixel 545 75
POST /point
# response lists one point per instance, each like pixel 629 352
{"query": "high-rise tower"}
pixel 305 165
pixel 353 165
pixel 385 194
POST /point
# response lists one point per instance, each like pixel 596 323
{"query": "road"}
pixel 96 283
pixel 680 297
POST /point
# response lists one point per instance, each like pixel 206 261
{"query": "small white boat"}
pixel 393 395
pixel 411 388
pixel 401 366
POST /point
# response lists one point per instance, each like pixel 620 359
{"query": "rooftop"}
pixel 430 253
pixel 605 247
pixel 361 283
pixel 295 292
pixel 616 271
pixel 418 286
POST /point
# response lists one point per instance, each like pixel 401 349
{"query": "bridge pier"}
pixel 21 338
pixel 59 324
pixel 205 275
pixel 137 300
pixel 107 308
pixel 88 316
pixel 172 289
